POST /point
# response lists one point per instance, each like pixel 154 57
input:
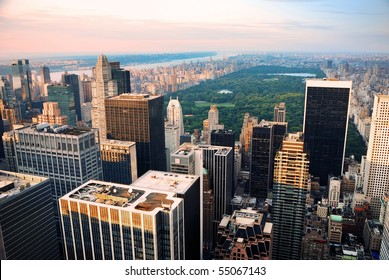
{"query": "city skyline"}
pixel 169 26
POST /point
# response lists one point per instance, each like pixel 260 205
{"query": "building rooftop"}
pixel 12 183
pixel 247 216
pixel 64 129
pixel 117 143
pixel 165 181
pixel 336 218
pixel 124 196
pixel 328 82
pixel 134 96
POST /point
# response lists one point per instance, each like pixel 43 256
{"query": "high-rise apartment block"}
pixel 290 189
pixel 325 126
pixel 244 235
pixel 107 221
pixel 266 140
pixel 119 161
pixel 139 118
pixel 376 181
pixel 280 112
pixel 27 224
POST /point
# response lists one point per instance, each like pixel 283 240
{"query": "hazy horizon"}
pixel 55 28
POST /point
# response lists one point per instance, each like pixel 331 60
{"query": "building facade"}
pixel 290 189
pixel 118 161
pixel 107 221
pixel 376 181
pixel 27 223
pixel 325 126
pixel 139 118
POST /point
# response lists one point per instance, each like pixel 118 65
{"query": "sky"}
pixel 48 27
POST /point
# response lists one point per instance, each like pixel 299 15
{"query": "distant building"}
pixel 212 123
pixel 335 229
pixel 73 81
pixel 51 114
pixel 372 235
pixel 290 190
pixel 122 78
pixel 315 243
pixel 63 95
pixel 174 115
pixel 280 112
pixel 102 87
pixel 139 118
pixel 244 235
pixel 107 221
pixel 246 140
pixel 8 140
pixel 118 161
pixel 325 126
pixel 27 223
pixel 22 81
pixel 334 191
pixel 376 181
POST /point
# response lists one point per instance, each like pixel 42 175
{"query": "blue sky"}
pixel 119 26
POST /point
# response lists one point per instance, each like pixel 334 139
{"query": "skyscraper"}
pixel 280 112
pixel 174 114
pixel 73 81
pixel 187 188
pixel 139 118
pixel 102 87
pixel 290 188
pixel 325 126
pixel 212 123
pixel 44 79
pixel 22 81
pixel 376 181
pixel 122 78
pixel 63 95
pixel 384 252
pixel 107 221
pixel 66 155
pixel 245 140
pixel 266 140
pixel 27 224
pixel 119 161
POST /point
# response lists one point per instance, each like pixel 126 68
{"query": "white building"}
pixel 377 161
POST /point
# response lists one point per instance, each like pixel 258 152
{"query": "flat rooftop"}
pixel 117 143
pixel 12 183
pixel 64 129
pixel 165 181
pixel 123 197
pixel 247 216
pixel 134 96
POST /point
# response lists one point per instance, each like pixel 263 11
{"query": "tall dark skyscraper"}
pixel 73 81
pixel 122 77
pixel 139 118
pixel 2 155
pixel 266 141
pixel 27 224
pixel 45 75
pixel 223 138
pixel 325 126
